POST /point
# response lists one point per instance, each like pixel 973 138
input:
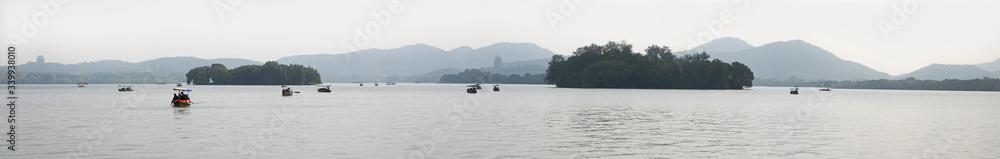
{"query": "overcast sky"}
pixel 871 32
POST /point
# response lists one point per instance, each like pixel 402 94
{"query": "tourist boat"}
pixel 361 84
pixel 181 99
pixel 477 86
pixel 472 89
pixel 794 90
pixel 496 88
pixel 286 91
pixel 124 88
pixel 323 88
pixel 81 84
pixel 824 89
pixel 179 84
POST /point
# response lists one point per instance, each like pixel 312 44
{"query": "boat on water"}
pixel 286 91
pixel 376 83
pixel 390 83
pixel 477 86
pixel 81 84
pixel 472 89
pixel 323 88
pixel 179 84
pixel 496 88
pixel 181 99
pixel 124 88
pixel 794 90
pixel 824 89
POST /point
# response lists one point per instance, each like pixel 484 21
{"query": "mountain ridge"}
pixel 794 58
pixel 949 71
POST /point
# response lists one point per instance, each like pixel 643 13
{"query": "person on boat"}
pixel 175 98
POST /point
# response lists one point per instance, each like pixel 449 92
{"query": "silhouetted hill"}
pixel 726 44
pixel 990 66
pixel 163 65
pixel 419 59
pixel 941 72
pixel 781 60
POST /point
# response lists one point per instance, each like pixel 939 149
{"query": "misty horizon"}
pixel 890 36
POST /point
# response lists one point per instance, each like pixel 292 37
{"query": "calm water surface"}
pixel 521 121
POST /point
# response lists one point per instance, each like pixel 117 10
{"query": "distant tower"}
pixel 40 59
pixel 497 62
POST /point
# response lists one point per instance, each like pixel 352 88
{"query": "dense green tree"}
pixel 271 73
pixel 615 65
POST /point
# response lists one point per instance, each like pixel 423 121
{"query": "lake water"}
pixel 522 121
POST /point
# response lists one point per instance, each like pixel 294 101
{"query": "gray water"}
pixel 521 121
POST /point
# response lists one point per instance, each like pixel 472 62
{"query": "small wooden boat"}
pixel 496 88
pixel 324 88
pixel 81 84
pixel 181 99
pixel 472 89
pixel 477 86
pixel 794 90
pixel 124 88
pixel 824 89
pixel 286 91
pixel 179 84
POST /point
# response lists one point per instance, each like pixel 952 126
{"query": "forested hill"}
pixel 374 64
pixel 160 65
pixel 781 60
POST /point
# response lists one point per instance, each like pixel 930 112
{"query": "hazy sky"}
pixel 917 34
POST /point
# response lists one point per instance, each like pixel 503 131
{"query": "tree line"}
pixel 271 73
pixel 97 77
pixel 982 84
pixel 477 76
pixel 615 65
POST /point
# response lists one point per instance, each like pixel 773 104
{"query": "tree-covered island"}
pixel 271 73
pixel 615 65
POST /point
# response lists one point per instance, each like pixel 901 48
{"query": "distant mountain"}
pixel 726 44
pixel 162 65
pixel 941 72
pixel 419 59
pixel 990 66
pixel 781 60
